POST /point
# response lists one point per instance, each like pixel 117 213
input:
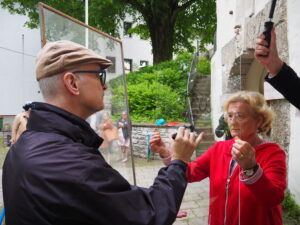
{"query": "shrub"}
pixel 155 92
pixel 203 66
pixel 291 211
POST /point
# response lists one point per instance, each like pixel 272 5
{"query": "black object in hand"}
pixel 267 31
pixel 269 24
pixel 174 136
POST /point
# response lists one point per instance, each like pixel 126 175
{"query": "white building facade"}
pixel 234 67
pixel 19 46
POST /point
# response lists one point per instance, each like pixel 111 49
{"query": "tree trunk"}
pixel 162 41
pixel 161 23
pixel 160 17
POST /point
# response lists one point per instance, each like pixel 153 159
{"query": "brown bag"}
pixel 111 134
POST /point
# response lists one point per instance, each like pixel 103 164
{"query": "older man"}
pixel 55 174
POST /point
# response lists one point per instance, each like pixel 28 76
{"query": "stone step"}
pixel 203 124
pixel 207 130
pixel 202 84
pixel 208 137
pixel 201 110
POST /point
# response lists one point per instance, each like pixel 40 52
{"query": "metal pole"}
pixel 87 23
pixel 23 72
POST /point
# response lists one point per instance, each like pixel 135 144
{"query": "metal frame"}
pixel 43 6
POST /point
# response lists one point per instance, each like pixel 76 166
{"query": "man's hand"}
pixel 185 144
pixel 268 56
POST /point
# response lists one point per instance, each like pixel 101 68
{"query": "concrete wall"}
pixel 139 137
pixel 293 18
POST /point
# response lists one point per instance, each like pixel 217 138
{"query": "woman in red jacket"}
pixel 247 174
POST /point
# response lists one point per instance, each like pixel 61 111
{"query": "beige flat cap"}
pixel 60 56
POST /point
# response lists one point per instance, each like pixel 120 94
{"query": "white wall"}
pixel 225 32
pixel 136 49
pixel 18 48
pixel 293 8
pixel 225 22
pixel 216 87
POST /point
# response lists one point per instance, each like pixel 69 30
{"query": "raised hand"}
pixel 184 144
pixel 243 153
pixel 268 56
pixel 158 146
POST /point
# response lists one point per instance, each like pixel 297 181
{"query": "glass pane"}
pixel 106 123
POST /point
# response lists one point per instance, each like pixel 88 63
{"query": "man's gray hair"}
pixel 50 86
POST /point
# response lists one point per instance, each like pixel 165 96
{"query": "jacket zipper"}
pixel 227 188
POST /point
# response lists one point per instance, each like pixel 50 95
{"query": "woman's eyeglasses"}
pixel 231 116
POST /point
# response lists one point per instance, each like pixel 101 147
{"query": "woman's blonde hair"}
pixel 258 105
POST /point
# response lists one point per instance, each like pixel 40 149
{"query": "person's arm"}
pixel 282 77
pixel 111 200
pixel 287 83
pixel 199 168
pixel 268 190
pixel 167 154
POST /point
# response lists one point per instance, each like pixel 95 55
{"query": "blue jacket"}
pixel 54 174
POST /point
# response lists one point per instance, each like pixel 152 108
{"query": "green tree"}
pixel 171 25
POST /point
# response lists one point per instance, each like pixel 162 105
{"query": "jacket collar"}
pixel 49 118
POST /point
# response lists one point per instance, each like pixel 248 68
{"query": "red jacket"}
pixel 259 202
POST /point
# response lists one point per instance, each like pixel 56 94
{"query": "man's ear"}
pixel 70 82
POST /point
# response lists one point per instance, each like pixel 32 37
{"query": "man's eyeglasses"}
pixel 101 73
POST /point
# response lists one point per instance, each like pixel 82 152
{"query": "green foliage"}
pixel 157 91
pixel 291 211
pixel 172 26
pixel 198 22
pixel 203 66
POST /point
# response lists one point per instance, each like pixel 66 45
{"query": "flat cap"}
pixel 61 56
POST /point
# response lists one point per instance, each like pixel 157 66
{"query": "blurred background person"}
pixel 109 133
pixel 124 135
pixel 19 123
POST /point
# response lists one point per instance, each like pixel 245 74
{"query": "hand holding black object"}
pixel 269 25
pixel 184 144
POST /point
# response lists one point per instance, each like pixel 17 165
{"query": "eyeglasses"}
pixel 101 73
pixel 238 116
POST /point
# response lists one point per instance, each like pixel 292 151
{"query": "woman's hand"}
pixel 244 154
pixel 158 146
